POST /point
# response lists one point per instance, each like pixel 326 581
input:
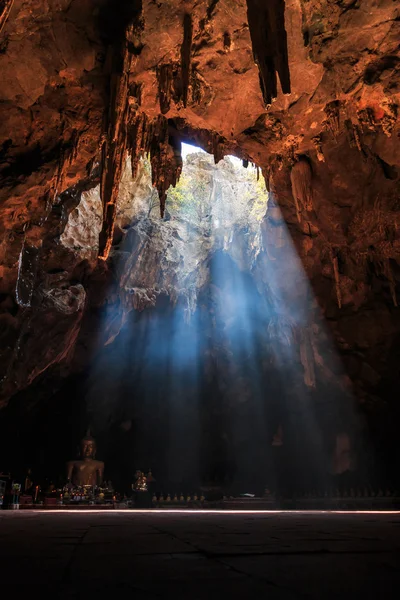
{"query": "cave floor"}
pixel 282 556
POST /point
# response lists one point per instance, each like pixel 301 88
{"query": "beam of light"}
pixel 323 407
pixel 221 338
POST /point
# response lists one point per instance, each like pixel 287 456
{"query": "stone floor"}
pixel 278 556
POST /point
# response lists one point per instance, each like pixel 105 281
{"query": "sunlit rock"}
pixel 82 230
pixel 213 207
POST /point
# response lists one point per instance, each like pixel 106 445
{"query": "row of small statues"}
pixel 349 493
pixel 168 499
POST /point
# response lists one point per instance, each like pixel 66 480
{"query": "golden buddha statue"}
pixel 86 471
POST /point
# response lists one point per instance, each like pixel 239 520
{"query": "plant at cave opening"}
pixel 189 199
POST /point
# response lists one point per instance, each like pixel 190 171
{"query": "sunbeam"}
pixel 216 352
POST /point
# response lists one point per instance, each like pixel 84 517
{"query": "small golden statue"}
pixel 140 484
pixel 87 471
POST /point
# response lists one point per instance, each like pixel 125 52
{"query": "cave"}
pixel 199 257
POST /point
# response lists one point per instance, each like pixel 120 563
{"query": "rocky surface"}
pixel 85 84
pixel 210 205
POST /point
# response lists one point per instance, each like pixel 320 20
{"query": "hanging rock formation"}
pixel 301 178
pixel 269 39
pixel 5 8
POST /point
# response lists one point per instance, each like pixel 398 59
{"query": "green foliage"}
pixel 257 193
pixel 260 203
pixel 194 192
pixel 189 197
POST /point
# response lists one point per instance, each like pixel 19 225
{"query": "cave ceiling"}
pixel 306 89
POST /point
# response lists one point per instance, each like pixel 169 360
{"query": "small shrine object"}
pixel 87 494
pixel 15 490
pixel 140 484
pixel 141 496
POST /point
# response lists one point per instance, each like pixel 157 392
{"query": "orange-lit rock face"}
pixel 81 88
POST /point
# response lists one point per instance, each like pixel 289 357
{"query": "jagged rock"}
pixel 81 233
pixel 301 178
pixel 207 211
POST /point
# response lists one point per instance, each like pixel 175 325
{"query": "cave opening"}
pixel 190 352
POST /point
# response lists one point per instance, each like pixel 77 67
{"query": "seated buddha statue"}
pixel 86 471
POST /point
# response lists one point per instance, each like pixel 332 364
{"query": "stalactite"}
pixel 367 119
pixel 332 111
pixel 357 138
pixel 125 97
pixel 186 56
pixel 217 144
pixel 5 8
pixel 165 78
pixel 318 148
pixel 183 83
pixel 269 40
pixel 337 280
pixel 390 117
pixel 115 146
pixel 165 157
pixel 167 173
pixel 301 179
pixel 153 137
pixel 267 174
pixel 136 141
pixel 201 91
pixel 353 134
